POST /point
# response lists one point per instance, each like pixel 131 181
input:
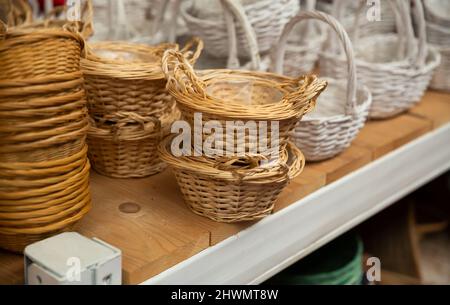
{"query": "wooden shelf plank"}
pixel 345 163
pixel 434 107
pixel 384 136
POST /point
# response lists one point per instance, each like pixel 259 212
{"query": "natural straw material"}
pixel 232 189
pixel 339 115
pixel 127 148
pixel 124 77
pixel 26 54
pixel 228 95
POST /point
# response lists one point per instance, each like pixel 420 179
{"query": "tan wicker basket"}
pixel 127 148
pixel 26 54
pixel 42 119
pixel 128 77
pixel 236 189
pixel 229 96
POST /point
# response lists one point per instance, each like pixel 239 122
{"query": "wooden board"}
pixel 435 107
pixel 384 136
pixel 165 232
pixel 348 161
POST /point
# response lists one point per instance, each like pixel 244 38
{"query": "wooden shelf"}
pixel 164 232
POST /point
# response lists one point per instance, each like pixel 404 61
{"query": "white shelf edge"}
pixel 274 243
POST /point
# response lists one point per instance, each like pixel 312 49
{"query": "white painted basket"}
pixel 437 12
pixel 397 81
pixel 341 110
pixel 304 45
pixel 267 18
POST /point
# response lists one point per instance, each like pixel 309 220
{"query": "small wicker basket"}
pixel 397 81
pixel 127 148
pixel 339 116
pixel 125 77
pixel 249 97
pixel 235 189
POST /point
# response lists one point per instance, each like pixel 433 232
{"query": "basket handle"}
pixel 308 30
pixel 343 37
pixel 298 165
pixel 233 8
pixel 196 44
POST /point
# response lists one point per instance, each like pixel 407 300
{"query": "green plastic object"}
pixel 337 263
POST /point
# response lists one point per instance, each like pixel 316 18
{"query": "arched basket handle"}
pixel 343 37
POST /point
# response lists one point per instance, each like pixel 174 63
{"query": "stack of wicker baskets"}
pixel 228 181
pixel 130 109
pixel 44 170
pixel 437 13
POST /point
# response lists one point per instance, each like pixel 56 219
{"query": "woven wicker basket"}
pixel 123 77
pixel 39 199
pixel 42 119
pixel 437 12
pixel 266 17
pixel 26 54
pixel 396 81
pixel 339 116
pixel 249 97
pixel 127 148
pixel 232 190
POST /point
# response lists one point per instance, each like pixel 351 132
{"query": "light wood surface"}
pixel 165 232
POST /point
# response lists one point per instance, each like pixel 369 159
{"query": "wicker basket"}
pixel 396 81
pixel 339 116
pixel 302 51
pixel 123 77
pixel 26 54
pixel 42 119
pixel 127 148
pixel 437 12
pixel 39 199
pixel 249 97
pixel 232 190
pixel 266 17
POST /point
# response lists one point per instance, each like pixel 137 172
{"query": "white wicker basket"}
pixel 440 37
pixel 437 12
pixel 341 110
pixel 304 46
pixel 397 81
pixel 267 18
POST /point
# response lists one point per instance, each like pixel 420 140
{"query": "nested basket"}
pixel 232 189
pixel 40 199
pixel 339 115
pixel 304 46
pixel 267 18
pixel 396 70
pixel 257 99
pixel 42 118
pixel 128 77
pixel 32 53
pixel 127 146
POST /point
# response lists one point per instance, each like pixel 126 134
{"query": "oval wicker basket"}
pixel 26 54
pixel 248 97
pixel 339 116
pixel 396 82
pixel 124 77
pixel 232 190
pixel 267 18
pixel 127 148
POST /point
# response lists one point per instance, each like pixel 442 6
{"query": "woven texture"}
pixel 341 111
pixel 266 17
pixel 227 95
pixel 44 170
pixel 232 190
pixel 397 81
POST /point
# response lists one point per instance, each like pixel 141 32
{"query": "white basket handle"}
pixel 308 31
pixel 419 17
pixel 343 37
pixel 122 22
pixel 234 8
